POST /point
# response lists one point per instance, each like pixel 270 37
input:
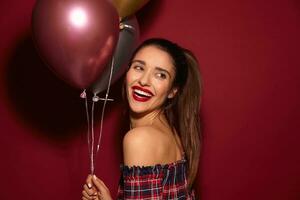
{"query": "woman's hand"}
pixel 103 191
pixel 89 191
pixel 95 189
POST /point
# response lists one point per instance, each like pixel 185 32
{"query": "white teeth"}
pixel 142 93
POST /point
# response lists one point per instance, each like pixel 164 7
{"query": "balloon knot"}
pixel 83 95
pixel 95 98
pixel 121 26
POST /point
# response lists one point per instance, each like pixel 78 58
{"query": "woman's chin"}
pixel 138 111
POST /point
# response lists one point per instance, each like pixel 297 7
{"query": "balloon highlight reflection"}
pixel 78 17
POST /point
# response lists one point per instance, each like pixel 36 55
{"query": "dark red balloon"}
pixel 76 38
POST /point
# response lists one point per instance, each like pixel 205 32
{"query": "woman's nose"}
pixel 145 79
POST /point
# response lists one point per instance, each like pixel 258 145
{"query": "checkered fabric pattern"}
pixel 155 182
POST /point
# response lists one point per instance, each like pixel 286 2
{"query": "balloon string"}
pixel 88 125
pixel 90 149
pixel 93 140
pixel 90 136
pixel 91 143
pixel 104 104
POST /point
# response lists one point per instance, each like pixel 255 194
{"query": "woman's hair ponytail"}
pixel 188 108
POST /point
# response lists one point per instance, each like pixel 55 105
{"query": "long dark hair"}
pixel 182 111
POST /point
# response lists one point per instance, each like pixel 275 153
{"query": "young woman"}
pixel 161 150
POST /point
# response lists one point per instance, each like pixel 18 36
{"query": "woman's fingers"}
pixel 89 181
pixel 99 183
pixel 104 193
pixel 87 196
pixel 89 191
pixel 95 189
pixel 84 198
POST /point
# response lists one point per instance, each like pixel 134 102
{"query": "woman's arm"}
pixel 143 148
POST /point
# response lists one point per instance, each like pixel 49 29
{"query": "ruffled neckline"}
pixel 151 169
pixel 183 160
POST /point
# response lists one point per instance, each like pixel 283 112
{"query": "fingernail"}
pixel 94 177
pixel 89 185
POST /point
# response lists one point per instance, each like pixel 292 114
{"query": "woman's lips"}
pixel 141 94
pixel 139 98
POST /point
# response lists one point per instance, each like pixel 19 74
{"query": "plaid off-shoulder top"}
pixel 158 182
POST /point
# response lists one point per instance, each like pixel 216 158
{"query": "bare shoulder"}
pixel 145 135
pixel 144 146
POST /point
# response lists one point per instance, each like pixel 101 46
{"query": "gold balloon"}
pixel 128 7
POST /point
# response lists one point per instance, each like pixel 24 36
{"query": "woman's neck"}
pixel 148 119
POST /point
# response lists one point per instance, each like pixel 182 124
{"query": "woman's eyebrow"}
pixel 139 61
pixel 161 69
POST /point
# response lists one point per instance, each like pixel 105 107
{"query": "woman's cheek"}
pixel 162 85
pixel 129 78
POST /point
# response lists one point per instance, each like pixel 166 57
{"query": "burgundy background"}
pixel 249 56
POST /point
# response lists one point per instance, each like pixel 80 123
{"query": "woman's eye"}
pixel 161 75
pixel 136 67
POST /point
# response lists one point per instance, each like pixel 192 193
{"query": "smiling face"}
pixel 149 80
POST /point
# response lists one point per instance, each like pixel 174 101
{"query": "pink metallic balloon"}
pixel 76 38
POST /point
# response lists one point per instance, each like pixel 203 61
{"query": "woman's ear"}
pixel 172 93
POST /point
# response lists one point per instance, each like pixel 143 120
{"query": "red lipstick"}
pixel 141 94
